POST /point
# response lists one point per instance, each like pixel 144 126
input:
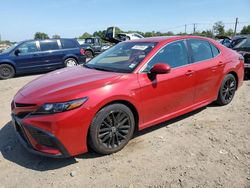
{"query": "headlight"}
pixel 51 108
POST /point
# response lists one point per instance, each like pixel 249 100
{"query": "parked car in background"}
pixel 243 47
pixel 129 36
pixel 131 86
pixel 93 46
pixel 236 40
pixel 34 56
pixel 112 36
pixel 224 40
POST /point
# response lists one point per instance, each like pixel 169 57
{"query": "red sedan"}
pixel 132 86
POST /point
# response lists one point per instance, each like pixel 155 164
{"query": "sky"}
pixel 20 19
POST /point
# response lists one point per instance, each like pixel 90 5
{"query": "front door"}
pixel 27 60
pixel 167 94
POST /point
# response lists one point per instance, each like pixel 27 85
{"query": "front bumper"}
pixel 54 135
pixel 38 141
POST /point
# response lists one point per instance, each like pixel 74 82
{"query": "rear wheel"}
pixel 89 54
pixel 6 71
pixel 227 90
pixel 70 62
pixel 111 129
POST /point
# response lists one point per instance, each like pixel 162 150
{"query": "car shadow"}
pixel 13 151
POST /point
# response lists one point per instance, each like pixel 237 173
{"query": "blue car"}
pixel 35 56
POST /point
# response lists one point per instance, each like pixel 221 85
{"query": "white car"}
pixel 130 36
pixel 113 37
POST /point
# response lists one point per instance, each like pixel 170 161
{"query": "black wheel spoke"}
pixel 124 127
pixel 113 119
pixel 105 130
pixel 120 135
pixel 107 124
pixel 124 131
pixel 106 137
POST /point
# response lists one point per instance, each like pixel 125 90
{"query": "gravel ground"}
pixel 206 148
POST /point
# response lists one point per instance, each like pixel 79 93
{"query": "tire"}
pixel 227 90
pixel 111 129
pixel 89 54
pixel 6 71
pixel 70 62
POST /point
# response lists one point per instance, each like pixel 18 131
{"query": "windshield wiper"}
pixel 98 68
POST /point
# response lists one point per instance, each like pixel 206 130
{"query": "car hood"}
pixel 64 84
pixel 3 54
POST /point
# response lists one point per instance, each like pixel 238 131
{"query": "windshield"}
pixel 244 43
pixel 7 50
pixel 123 57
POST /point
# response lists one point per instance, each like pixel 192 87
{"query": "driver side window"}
pixel 174 54
pixel 28 47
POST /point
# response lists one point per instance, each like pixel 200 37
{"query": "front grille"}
pixel 41 137
pixel 21 105
pixel 21 115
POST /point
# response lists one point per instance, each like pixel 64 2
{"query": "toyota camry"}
pixel 131 86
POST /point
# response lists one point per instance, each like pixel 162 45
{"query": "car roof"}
pixel 46 39
pixel 167 38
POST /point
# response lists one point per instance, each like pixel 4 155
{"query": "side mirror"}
pixel 160 68
pixel 17 52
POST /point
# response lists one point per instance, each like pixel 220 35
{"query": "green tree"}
pixel 219 28
pixel 229 32
pixel 100 34
pixel 56 36
pixel 245 30
pixel 85 35
pixel 40 35
pixel 207 33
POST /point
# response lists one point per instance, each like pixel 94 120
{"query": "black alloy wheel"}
pixel 114 129
pixel 227 90
pixel 111 129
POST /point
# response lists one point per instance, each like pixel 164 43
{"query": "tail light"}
pixel 82 51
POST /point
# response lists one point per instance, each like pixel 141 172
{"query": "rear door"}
pixel 51 55
pixel 208 64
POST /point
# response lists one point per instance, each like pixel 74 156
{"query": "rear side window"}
pixel 68 43
pixel 201 50
pixel 215 50
pixel 49 45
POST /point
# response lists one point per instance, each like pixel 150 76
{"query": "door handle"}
pixel 220 64
pixel 189 73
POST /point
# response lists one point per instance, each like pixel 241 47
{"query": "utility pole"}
pixel 235 26
pixel 185 28
pixel 194 28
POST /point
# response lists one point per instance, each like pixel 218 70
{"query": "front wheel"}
pixel 227 90
pixel 111 129
pixel 6 71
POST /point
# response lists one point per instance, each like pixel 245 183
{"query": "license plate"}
pixel 247 65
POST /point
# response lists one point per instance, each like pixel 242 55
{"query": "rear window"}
pixel 215 50
pixel 49 45
pixel 201 50
pixel 68 43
